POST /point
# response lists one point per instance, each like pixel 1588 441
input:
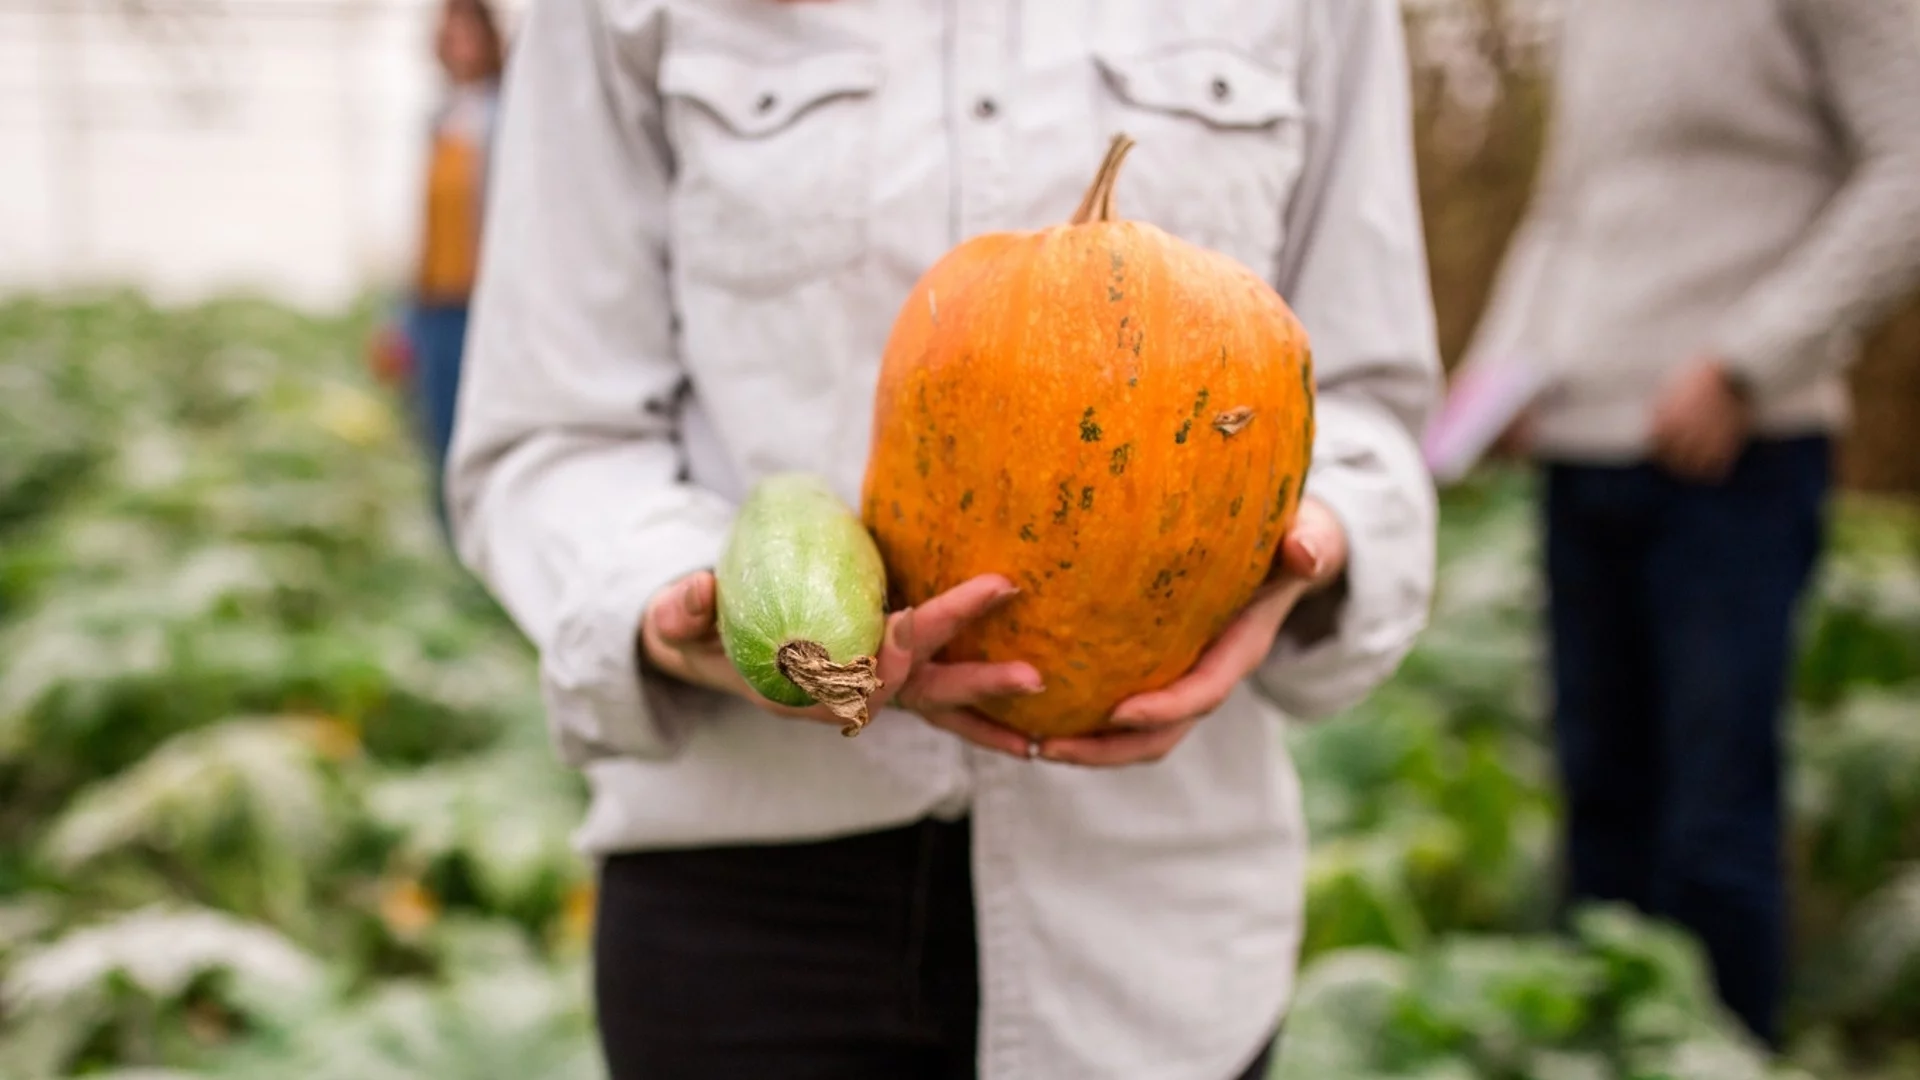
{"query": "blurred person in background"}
pixel 706 218
pixel 1730 196
pixel 424 348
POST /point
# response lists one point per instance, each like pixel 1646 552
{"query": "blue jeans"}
pixel 438 334
pixel 1671 609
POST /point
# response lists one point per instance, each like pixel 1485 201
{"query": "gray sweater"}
pixel 1737 178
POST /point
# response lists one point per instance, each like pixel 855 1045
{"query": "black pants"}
pixel 1671 610
pixel 844 960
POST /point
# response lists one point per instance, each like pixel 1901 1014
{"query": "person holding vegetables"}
pixel 705 219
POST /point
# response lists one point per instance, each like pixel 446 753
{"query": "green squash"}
pixel 802 595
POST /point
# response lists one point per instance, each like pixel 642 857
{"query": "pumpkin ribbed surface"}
pixel 1118 420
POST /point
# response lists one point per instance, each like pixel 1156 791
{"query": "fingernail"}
pixel 1315 560
pixel 1006 594
pixel 903 631
pixel 693 599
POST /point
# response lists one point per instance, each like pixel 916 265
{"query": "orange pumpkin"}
pixel 1116 419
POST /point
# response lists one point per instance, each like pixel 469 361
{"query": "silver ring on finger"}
pixel 1033 749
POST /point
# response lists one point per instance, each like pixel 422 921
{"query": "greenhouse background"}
pixel 275 796
pixel 192 147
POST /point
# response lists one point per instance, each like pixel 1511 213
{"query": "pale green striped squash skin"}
pixel 799 567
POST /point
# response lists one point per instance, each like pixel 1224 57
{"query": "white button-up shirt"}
pixel 705 216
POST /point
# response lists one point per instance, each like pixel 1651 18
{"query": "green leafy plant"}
pixel 276 799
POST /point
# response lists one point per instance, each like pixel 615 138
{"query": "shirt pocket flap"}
pixel 1212 83
pixel 755 99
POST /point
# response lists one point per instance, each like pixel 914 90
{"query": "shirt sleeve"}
pixel 566 481
pixel 1863 253
pixel 1356 273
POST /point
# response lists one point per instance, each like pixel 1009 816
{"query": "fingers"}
pixel 1699 426
pixel 1148 726
pixel 1681 448
pixel 1315 548
pixel 1717 452
pixel 896 659
pixel 916 634
pixel 939 619
pixel 1115 749
pixel 937 687
pixel 980 731
pixel 680 627
pixel 683 612
pixel 679 634
pixel 1686 460
pixel 1233 655
pixel 1698 453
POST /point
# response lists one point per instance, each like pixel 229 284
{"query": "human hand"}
pixel 680 637
pixel 1700 423
pixel 1312 555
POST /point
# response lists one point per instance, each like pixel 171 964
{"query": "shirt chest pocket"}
pixel 1221 145
pixel 772 165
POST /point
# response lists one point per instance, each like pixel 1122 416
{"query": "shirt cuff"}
pixel 599 701
pixel 1369 473
pixel 1768 360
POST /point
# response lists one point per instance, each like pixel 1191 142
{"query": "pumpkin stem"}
pixel 842 688
pixel 1097 204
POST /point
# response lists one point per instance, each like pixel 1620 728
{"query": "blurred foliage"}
pixel 1432 948
pixel 275 797
pixel 273 777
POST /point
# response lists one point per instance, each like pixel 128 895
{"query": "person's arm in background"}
pixel 1356 274
pixel 1863 254
pixel 565 476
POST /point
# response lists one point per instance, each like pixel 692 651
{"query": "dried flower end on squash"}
pixel 1119 420
pixel 801 595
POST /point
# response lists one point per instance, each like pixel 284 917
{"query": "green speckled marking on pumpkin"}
pixel 1089 430
pixel 797 567
pixel 1278 507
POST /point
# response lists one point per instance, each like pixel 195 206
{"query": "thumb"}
pixel 1316 547
pixel 683 612
pixel 896 655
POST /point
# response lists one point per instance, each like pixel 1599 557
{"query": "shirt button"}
pixel 985 109
pixel 1221 90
